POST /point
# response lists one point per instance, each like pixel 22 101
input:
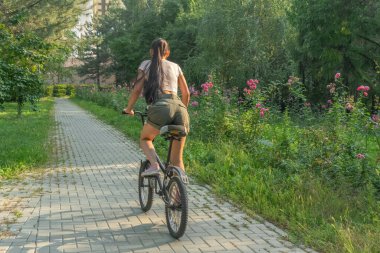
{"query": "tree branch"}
pixel 31 5
pixel 369 40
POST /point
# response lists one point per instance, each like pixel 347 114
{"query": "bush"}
pixel 48 92
pixel 70 90
pixel 59 90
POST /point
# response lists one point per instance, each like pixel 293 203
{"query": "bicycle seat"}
pixel 173 131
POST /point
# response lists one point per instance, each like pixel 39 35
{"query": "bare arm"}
pixel 139 85
pixel 182 84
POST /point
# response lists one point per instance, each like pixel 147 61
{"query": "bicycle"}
pixel 171 189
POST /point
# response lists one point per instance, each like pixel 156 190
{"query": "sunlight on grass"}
pixel 25 138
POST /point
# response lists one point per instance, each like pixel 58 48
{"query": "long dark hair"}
pixel 156 75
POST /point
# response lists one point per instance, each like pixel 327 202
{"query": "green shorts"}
pixel 168 110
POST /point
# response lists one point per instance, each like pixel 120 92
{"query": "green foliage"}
pixel 20 66
pixel 240 39
pixel 46 19
pixel 340 36
pixel 24 141
pixel 32 44
pixel 93 53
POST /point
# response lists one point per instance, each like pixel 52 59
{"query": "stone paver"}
pixel 88 202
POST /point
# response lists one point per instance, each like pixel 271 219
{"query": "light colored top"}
pixel 171 72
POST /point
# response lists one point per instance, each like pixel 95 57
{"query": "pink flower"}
pixel 363 88
pixel 194 103
pixel 360 88
pixel 324 106
pixel 329 101
pixel 196 93
pixel 206 86
pixel 252 83
pixel 337 75
pixel 262 111
pixel 258 105
pixel 360 156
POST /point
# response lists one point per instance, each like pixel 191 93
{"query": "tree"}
pixel 244 39
pixel 21 65
pixel 93 52
pixel 125 35
pixel 29 40
pixel 48 19
pixel 337 36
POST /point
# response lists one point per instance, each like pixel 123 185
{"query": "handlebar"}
pixel 141 114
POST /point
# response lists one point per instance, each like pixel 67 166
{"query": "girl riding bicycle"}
pixel 159 80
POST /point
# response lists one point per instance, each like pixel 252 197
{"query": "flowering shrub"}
pixel 267 146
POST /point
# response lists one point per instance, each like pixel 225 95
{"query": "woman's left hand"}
pixel 129 112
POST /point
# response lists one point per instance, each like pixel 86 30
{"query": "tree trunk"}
pixel 103 7
pixel 20 102
pixel 346 70
pixel 97 67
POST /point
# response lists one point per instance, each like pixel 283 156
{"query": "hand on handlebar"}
pixel 129 112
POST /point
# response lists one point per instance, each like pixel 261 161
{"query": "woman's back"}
pixel 171 72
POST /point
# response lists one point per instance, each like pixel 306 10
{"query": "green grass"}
pixel 328 218
pixel 24 140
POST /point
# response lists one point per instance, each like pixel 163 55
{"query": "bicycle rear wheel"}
pixel 177 209
pixel 145 188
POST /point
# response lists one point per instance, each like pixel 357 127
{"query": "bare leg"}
pixel 147 135
pixel 177 153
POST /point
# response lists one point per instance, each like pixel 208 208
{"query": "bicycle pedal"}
pixel 185 179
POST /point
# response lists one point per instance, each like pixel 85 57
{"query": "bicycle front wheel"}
pixel 145 189
pixel 176 209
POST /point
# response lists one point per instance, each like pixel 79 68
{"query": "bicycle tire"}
pixel 173 209
pixel 145 189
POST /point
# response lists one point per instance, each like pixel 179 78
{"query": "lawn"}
pixel 24 140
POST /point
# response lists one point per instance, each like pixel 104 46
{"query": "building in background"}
pixel 91 9
pixel 94 8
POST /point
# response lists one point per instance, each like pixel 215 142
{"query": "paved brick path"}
pixel 88 202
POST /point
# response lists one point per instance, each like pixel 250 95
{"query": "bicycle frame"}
pixel 166 168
